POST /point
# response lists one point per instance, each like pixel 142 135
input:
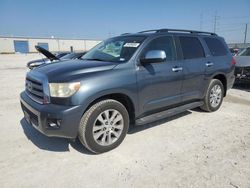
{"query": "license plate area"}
pixel 31 117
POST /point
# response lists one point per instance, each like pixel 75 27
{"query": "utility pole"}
pixel 245 37
pixel 215 21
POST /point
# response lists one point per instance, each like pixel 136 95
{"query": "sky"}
pixel 99 19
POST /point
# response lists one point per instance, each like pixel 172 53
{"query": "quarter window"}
pixel 165 44
pixel 215 46
pixel 191 48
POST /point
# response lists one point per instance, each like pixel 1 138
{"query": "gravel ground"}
pixel 192 149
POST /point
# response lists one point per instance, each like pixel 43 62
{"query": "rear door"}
pixel 219 58
pixel 193 63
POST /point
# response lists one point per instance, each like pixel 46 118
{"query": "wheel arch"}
pixel 120 97
pixel 223 80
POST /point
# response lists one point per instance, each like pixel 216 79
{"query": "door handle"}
pixel 209 64
pixel 177 69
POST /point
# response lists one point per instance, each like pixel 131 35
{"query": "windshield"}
pixel 245 52
pixel 118 49
pixel 69 56
pixel 60 55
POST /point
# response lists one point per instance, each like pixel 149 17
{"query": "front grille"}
pixel 32 117
pixel 247 71
pixel 34 89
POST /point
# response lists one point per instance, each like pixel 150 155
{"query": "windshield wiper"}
pixel 94 59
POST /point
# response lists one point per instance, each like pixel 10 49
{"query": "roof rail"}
pixel 177 30
pixel 149 31
pixel 125 34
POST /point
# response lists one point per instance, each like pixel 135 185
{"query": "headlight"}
pixel 63 89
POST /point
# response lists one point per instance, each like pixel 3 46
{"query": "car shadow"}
pixel 51 143
pixel 198 109
pixel 134 129
pixel 242 86
pixel 55 144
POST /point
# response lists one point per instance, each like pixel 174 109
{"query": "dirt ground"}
pixel 192 149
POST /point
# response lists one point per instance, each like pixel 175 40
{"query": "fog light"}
pixel 54 123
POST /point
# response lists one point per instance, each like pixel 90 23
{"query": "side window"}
pixel 215 46
pixel 191 48
pixel 162 43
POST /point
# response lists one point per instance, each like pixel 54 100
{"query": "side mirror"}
pixel 154 56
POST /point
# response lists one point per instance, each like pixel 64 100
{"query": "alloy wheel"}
pixel 215 95
pixel 108 127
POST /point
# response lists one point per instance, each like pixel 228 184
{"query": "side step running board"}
pixel 167 113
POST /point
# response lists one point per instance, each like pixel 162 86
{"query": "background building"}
pixel 238 45
pixel 27 44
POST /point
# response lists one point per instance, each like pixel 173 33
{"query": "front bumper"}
pixel 242 79
pixel 242 74
pixel 39 116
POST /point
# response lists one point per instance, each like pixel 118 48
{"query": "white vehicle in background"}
pixel 242 67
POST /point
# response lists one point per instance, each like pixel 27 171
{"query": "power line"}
pixel 235 17
pixel 230 27
pixel 226 25
pixel 228 18
pixel 226 30
pixel 234 24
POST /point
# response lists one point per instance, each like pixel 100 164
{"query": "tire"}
pixel 209 106
pixel 96 134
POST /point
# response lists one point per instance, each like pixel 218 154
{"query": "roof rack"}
pixel 177 30
pixel 125 33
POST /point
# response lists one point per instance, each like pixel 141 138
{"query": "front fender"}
pixel 121 80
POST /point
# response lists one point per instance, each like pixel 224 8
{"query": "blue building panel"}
pixel 21 46
pixel 43 45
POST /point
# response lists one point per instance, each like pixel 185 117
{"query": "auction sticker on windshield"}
pixel 132 45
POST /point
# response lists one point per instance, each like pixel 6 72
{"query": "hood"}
pixel 37 62
pixel 242 61
pixel 72 69
pixel 46 53
pixel 45 60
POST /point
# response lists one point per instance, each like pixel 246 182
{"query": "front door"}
pixel 159 84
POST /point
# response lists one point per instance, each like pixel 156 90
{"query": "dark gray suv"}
pixel 131 79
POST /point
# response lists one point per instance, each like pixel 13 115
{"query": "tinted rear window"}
pixel 215 46
pixel 191 48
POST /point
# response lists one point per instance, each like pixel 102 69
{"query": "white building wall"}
pixel 53 44
pixel 90 44
pixel 78 45
pixel 7 44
